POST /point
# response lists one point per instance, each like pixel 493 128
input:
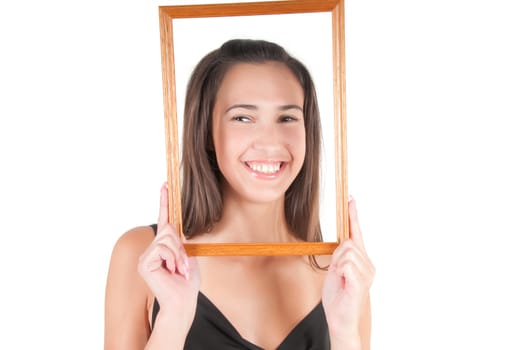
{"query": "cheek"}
pixel 297 142
pixel 227 143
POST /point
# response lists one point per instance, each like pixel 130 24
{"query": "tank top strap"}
pixel 155 308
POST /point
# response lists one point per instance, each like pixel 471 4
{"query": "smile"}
pixel 267 168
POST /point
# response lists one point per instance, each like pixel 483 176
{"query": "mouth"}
pixel 265 168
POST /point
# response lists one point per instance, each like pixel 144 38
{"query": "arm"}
pixel 173 278
pixel 365 324
pixel 346 293
pixel 359 339
pixel 167 334
pixel 127 318
pixel 126 315
pixel 143 266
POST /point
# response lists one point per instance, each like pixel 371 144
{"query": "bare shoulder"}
pixel 134 241
pixel 123 271
pixel 127 295
pixel 125 257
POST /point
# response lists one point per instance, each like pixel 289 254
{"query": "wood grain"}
pixel 171 120
pixel 249 9
pixel 336 7
pixel 260 249
pixel 339 93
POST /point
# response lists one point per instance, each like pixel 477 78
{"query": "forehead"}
pixel 269 80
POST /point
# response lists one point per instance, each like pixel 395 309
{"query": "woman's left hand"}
pixel 345 295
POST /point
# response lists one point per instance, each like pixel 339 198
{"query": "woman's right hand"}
pixel 173 278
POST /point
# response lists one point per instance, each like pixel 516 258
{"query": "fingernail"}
pixel 186 267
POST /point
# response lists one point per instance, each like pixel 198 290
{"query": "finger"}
pixel 357 264
pixel 180 255
pixel 168 257
pixel 354 276
pixel 356 233
pixel 158 257
pixel 167 230
pixel 350 275
pixel 346 250
pixel 339 252
pixel 335 256
pixel 352 260
pixel 163 207
pixel 183 263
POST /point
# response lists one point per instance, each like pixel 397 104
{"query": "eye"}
pixel 287 119
pixel 241 118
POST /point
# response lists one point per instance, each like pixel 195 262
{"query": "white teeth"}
pixel 265 168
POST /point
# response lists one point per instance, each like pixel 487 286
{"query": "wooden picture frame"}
pixel 336 8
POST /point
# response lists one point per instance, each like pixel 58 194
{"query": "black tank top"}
pixel 211 330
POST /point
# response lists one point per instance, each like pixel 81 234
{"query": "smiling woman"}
pixel 254 82
pixel 250 168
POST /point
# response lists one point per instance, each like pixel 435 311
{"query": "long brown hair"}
pixel 201 192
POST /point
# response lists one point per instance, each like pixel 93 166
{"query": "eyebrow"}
pixel 254 107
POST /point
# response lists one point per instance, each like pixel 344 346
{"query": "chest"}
pixel 263 301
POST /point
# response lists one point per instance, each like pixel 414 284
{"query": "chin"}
pixel 261 196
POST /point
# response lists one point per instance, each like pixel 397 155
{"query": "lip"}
pixel 263 176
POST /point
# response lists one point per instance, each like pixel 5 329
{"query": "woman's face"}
pixel 258 130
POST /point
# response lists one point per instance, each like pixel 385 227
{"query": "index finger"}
pixel 356 233
pixel 163 207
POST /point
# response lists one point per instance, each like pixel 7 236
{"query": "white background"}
pixel 437 160
pixel 312 44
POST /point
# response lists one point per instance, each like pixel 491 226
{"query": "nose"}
pixel 268 137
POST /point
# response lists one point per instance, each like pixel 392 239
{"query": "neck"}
pixel 244 221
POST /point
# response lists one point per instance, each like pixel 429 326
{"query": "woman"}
pixel 250 174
